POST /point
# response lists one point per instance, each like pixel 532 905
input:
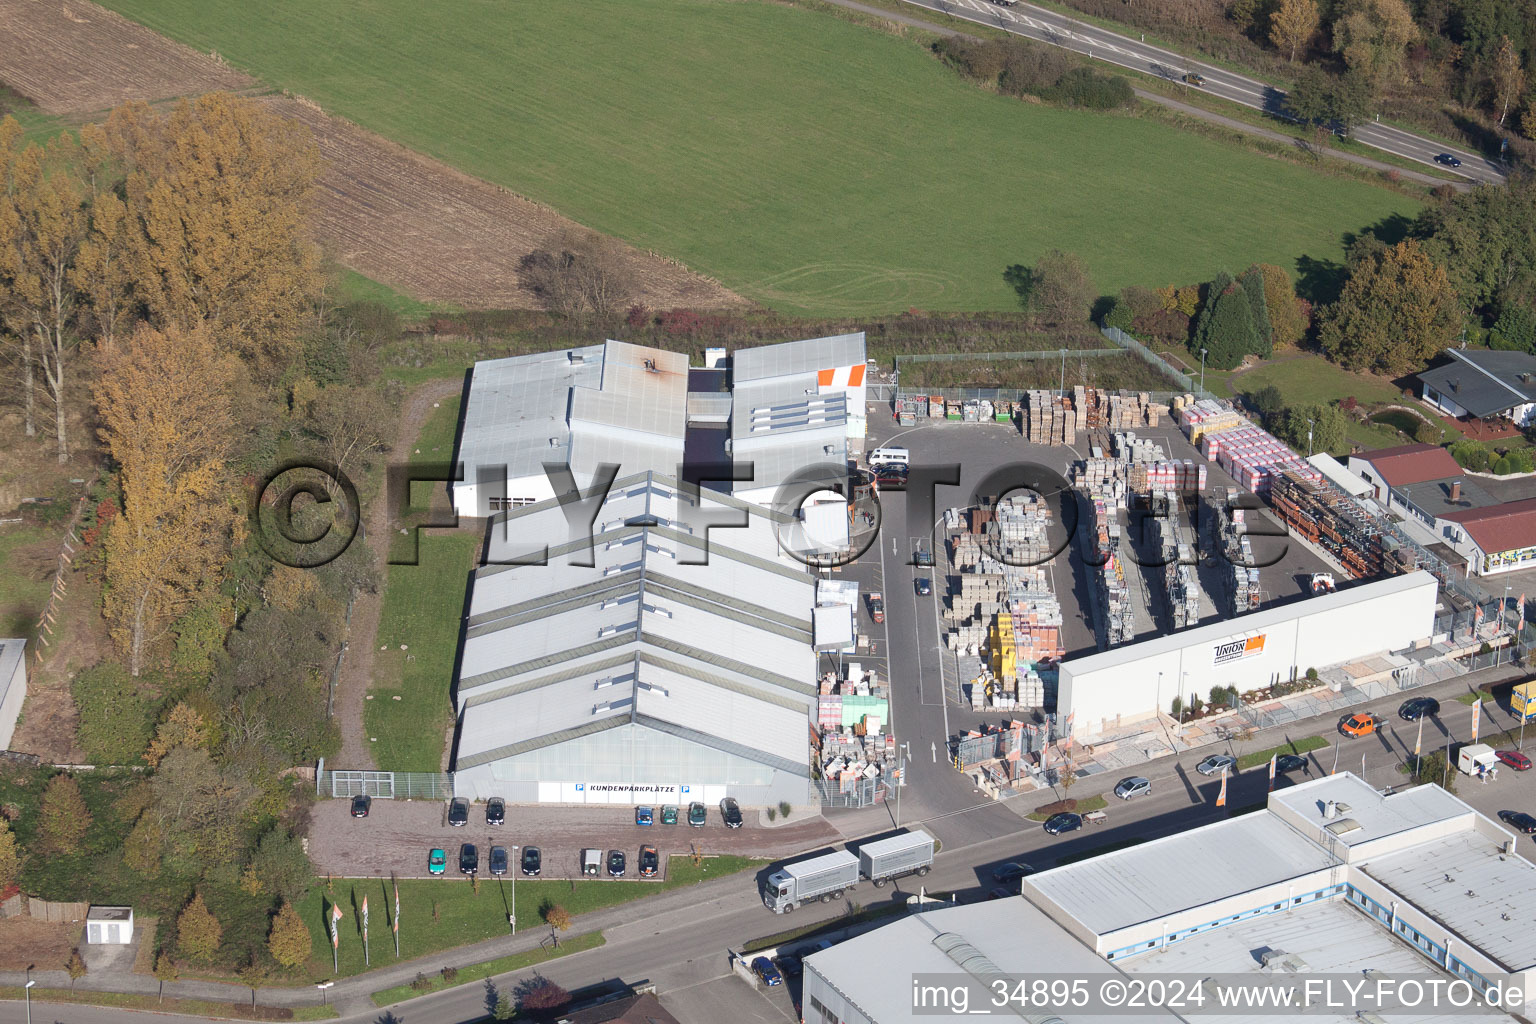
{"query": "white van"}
pixel 890 456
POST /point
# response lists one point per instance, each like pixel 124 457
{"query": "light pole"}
pixel 1183 699
pixel 1202 369
pixel 29 985
pixel 1063 373
pixel 1310 422
pixel 901 781
pixel 322 986
pixel 513 867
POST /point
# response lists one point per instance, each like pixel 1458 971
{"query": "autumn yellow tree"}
pixel 1292 24
pixel 164 401
pixel 218 198
pixel 1373 36
pixel 182 725
pixel 46 217
pixel 1507 77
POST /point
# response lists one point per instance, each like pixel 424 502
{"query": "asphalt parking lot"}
pixel 397 835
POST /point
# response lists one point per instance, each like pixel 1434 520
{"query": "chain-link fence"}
pixel 1007 744
pixel 343 783
pixel 854 793
pixel 1152 359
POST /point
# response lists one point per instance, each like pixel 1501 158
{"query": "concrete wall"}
pixel 1106 692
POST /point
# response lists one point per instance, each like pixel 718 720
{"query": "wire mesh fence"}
pixel 343 783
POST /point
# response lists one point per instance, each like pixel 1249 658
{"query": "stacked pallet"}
pixel 1018 529
pixel 1106 478
pixel 1122 410
pixel 1049 419
pixel 1333 520
pixel 1255 457
pixel 1208 416
pixel 1174 476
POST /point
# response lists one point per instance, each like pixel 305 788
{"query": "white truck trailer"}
pixel 1478 759
pixel 823 878
pixel 910 853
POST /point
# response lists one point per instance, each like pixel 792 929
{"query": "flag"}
pixel 1477 714
pixel 397 906
pixel 1520 611
pixel 1272 770
pixel 1221 798
pixel 1067 739
pixel 1418 741
pixel 365 917
pixel 335 919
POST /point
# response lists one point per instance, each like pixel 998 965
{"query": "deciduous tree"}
pixel 1373 36
pixel 63 819
pixel 198 932
pixel 164 404
pixel 200 806
pixel 1060 290
pixel 289 941
pixel 1292 24
pixel 1397 309
pixel 182 726
pixel 10 856
pixel 1287 319
pixel 1486 241
pixel 282 865
pixel 1507 77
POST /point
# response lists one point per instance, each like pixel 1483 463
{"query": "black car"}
pixel 1010 871
pixel 1519 821
pixel 1417 708
pixel 648 861
pixel 789 965
pixel 498 860
pixel 1448 160
pixel 495 811
pixel 360 805
pixel 458 811
pixel 469 859
pixel 1066 821
pixel 531 861
pixel 616 863
pixel 924 586
pixel 730 813
pixel 1289 763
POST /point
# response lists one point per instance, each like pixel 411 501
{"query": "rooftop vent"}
pixel 650 366
pixel 1343 826
pixel 554 442
pixel 577 358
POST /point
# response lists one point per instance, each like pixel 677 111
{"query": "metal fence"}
pixel 853 794
pixel 344 783
pixel 1157 362
pixel 1007 743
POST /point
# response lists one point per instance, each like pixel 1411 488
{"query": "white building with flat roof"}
pixel 1332 878
pixel 1106 691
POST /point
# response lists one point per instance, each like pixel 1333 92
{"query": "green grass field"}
pixel 811 164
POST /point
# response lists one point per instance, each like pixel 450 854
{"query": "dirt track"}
pixel 412 223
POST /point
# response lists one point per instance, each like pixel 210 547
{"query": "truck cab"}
pixel 877 606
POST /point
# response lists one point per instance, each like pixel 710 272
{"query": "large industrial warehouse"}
pixel 1125 684
pixel 678 667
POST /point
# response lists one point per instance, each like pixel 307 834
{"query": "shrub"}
pixel 421 982
pixel 1470 455
pixel 772 813
pixel 1426 432
pixel 1059 807
pixel 784 808
pixel 1312 674
pixel 450 974
pixel 1177 707
pixel 63 819
pixel 117 714
pixel 1119 315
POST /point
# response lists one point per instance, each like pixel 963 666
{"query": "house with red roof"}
pixel 1494 539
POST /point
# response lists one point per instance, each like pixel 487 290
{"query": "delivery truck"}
pixel 1522 701
pixel 1479 760
pixel 823 878
pixel 910 853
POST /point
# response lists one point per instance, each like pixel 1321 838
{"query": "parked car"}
pixel 923 558
pixel 1417 707
pixel 1011 870
pixel 999 893
pixel 532 861
pixel 591 862
pixel 616 863
pixel 649 861
pixel 495 811
pixel 469 859
pixel 1448 159
pixel 458 811
pixel 361 805
pixel 696 814
pixel 1519 821
pixel 1360 724
pixel 788 965
pixel 1133 786
pixel 924 586
pixel 1214 764
pixel 669 814
pixel 730 813
pixel 498 860
pixel 1516 760
pixel 1289 763
pixel 1058 824
pixel 437 862
pixel 766 972
pixel 643 816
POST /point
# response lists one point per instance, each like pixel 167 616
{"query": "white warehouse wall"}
pixel 1130 683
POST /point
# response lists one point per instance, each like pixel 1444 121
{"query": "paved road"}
pixel 1049 27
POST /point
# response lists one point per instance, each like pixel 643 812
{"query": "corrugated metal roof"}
pixel 516 405
pixel 791 357
pixel 1334 470
pixel 1465 882
pixel 1180 871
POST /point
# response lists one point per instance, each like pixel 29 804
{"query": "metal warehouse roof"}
pixel 1181 871
pixel 1376 813
pixel 1466 882
pixel 1009 933
pixel 1334 470
pixel 1329 936
pixel 1248 625
pixel 794 357
pixel 1485 383
pixel 517 405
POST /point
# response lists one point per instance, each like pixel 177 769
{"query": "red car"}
pixel 1516 760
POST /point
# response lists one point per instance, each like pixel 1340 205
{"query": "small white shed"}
pixel 109 926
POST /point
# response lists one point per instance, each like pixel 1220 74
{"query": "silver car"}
pixel 1133 786
pixel 1215 763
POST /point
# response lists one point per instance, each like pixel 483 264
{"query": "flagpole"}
pixel 395 923
pixel 1335 758
pixel 1418 741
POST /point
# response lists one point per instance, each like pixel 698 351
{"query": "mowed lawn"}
pixel 809 163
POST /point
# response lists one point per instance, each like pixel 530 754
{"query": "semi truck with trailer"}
pixel 910 853
pixel 1522 701
pixel 823 878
